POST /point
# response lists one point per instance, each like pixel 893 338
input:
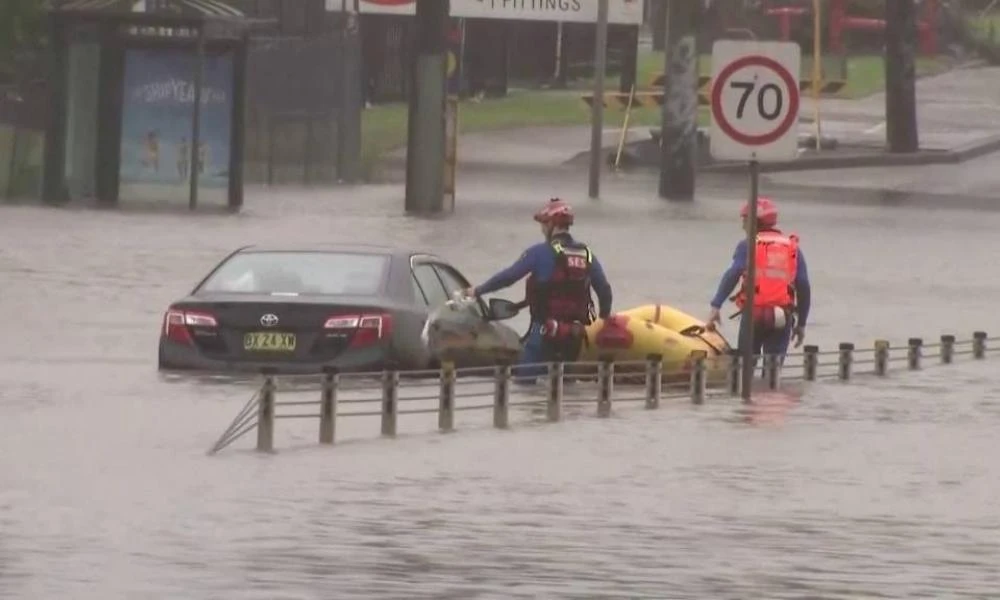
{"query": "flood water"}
pixel 878 489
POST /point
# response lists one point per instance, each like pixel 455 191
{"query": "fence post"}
pixel 553 404
pixel 446 399
pixel 979 345
pixel 501 397
pixel 947 349
pixel 654 380
pixel 881 357
pixel 698 376
pixel 772 370
pixel 845 360
pixel 390 402
pixel 810 362
pixel 328 407
pixel 606 385
pixel 913 353
pixel 265 416
pixel 735 373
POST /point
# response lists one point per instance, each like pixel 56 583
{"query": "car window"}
pixel 453 282
pixel 431 286
pixel 286 272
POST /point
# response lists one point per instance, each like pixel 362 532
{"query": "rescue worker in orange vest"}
pixel 782 293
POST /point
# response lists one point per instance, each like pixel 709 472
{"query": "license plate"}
pixel 269 341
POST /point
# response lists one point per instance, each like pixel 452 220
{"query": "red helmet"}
pixel 556 212
pixel 767 212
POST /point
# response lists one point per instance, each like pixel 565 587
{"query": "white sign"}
pixel 620 12
pixel 755 100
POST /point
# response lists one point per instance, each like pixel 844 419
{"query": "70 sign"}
pixel 755 100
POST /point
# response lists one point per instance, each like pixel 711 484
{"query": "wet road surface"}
pixel 881 489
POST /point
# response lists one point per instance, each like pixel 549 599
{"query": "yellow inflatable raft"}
pixel 634 334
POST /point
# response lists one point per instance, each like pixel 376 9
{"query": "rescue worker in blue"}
pixel 782 294
pixel 561 273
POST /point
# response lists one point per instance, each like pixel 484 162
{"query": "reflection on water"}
pixel 885 488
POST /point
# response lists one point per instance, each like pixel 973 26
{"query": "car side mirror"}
pixel 501 310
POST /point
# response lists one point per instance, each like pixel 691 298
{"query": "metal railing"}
pixel 388 394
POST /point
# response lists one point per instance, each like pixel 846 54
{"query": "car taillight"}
pixel 177 321
pixel 368 328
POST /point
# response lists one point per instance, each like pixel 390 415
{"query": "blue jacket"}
pixel 803 292
pixel 540 260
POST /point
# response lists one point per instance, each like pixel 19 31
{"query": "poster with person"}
pixel 157 119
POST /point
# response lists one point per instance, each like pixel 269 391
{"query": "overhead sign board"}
pixel 620 12
pixel 755 100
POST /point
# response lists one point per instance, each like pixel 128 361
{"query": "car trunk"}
pixel 275 328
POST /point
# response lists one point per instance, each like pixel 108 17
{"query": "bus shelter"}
pixel 146 107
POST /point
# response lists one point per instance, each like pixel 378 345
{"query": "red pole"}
pixel 928 28
pixel 836 25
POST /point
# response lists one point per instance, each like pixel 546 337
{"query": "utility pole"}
pixel 425 143
pixel 901 129
pixel 679 125
pixel 597 107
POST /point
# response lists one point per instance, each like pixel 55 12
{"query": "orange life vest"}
pixel 777 257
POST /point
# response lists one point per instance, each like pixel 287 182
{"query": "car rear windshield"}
pixel 303 273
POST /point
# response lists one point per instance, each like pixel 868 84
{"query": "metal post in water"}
pixel 746 320
pixel 553 405
pixel 265 416
pixel 328 407
pixel 845 360
pixel 772 370
pixel 605 385
pixel 901 124
pixel 881 357
pixel 913 353
pixel 654 380
pixel 810 362
pixel 698 376
pixel 734 372
pixel 597 108
pixel 979 345
pixel 947 349
pixel 446 399
pixel 501 397
pixel 390 402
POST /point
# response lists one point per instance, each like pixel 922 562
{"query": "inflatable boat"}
pixel 458 330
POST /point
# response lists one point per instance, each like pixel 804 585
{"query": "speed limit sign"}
pixel 755 100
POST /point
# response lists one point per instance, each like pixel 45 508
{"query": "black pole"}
pixel 658 16
pixel 597 107
pixel 630 62
pixel 53 178
pixel 900 76
pixel 749 286
pixel 679 126
pixel 426 97
pixel 196 118
pixel 237 150
pixel 351 100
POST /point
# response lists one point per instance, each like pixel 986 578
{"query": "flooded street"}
pixel 879 489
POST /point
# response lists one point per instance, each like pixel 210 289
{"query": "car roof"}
pixel 339 248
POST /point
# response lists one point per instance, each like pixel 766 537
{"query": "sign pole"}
pixel 817 69
pixel 746 320
pixel 597 108
pixel 755 110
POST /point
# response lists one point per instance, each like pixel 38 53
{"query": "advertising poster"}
pixel 157 117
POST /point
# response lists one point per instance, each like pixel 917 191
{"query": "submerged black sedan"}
pixel 300 309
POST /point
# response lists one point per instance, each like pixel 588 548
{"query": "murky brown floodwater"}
pixel 877 489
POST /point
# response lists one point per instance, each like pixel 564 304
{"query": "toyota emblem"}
pixel 269 320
